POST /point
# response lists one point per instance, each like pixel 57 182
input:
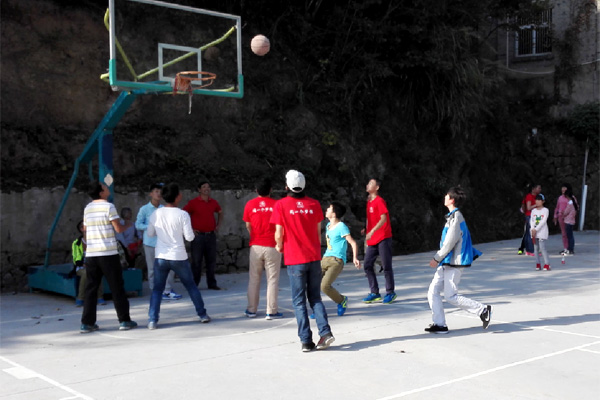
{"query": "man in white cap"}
pixel 297 220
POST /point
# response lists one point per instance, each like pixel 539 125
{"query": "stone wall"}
pixel 27 217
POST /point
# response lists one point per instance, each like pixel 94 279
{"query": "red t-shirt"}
pixel 531 198
pixel 299 219
pixel 258 213
pixel 202 213
pixel 375 208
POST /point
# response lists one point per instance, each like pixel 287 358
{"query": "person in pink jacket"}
pixel 569 215
pixel 561 205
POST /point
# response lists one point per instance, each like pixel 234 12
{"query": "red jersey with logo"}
pixel 375 208
pixel 258 213
pixel 202 213
pixel 299 219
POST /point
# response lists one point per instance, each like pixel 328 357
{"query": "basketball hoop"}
pixel 191 80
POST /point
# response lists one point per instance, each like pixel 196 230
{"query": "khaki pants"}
pixel 331 267
pixel 264 259
pixel 82 282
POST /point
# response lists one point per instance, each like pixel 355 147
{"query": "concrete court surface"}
pixel 543 342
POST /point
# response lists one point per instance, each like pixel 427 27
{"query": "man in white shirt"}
pixel 171 225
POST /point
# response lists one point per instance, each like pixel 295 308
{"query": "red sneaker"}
pixel 538 267
pixel 546 267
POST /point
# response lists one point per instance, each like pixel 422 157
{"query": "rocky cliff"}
pixel 52 99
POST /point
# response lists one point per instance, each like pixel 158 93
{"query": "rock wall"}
pixel 27 217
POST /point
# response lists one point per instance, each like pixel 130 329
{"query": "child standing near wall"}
pixel 539 231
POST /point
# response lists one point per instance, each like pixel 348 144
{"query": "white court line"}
pixel 21 372
pixel 541 328
pixel 486 372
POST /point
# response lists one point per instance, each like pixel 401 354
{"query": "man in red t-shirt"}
pixel 202 210
pixel 263 255
pixel 527 205
pixel 379 242
pixel 297 220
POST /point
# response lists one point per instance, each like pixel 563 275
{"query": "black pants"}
pixel 204 248
pixel 109 267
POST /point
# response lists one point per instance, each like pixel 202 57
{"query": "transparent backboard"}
pixel 151 41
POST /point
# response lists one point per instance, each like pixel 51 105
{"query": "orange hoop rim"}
pixel 186 80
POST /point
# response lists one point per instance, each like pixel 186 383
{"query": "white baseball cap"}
pixel 295 181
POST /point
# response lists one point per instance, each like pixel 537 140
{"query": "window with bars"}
pixel 534 35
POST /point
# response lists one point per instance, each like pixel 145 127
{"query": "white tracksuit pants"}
pixel 446 280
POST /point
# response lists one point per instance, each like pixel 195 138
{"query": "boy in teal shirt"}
pixel 332 264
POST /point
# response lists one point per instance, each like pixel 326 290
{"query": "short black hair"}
pixel 377 181
pixel 170 192
pixel 263 187
pixel 457 194
pixel 79 226
pixel 94 189
pixel 202 183
pixel 156 186
pixel 338 208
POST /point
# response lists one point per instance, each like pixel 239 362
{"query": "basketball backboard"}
pixel 151 41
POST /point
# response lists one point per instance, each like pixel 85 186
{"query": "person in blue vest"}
pixel 456 253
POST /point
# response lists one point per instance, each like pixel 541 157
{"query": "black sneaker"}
pixel 433 328
pixel 325 341
pixel 486 316
pixel 306 347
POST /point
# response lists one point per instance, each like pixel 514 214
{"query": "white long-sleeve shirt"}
pixel 171 225
pixel 539 222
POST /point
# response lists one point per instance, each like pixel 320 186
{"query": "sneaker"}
pixel 342 306
pixel 171 296
pixel 433 328
pixel 214 288
pixel 520 252
pixel 529 254
pixel 564 252
pixel 325 341
pixel 312 316
pixel 101 302
pixel 205 319
pixel 486 316
pixel 250 314
pixel 547 267
pixel 390 297
pixel 78 303
pixel 372 298
pixel 307 347
pixel 88 328
pixel 274 316
pixel 127 325
pixel 152 325
pixel 538 267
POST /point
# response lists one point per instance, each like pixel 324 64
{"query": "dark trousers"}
pixel 570 237
pixel 204 248
pixel 383 249
pixel 109 267
pixel 526 242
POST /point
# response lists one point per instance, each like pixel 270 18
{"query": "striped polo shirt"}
pixel 99 232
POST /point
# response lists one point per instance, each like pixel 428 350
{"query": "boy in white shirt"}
pixel 171 225
pixel 539 232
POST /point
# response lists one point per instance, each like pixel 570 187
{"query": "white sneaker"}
pixel 171 296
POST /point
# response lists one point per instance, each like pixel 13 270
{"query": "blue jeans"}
pixel 570 237
pixel 384 250
pixel 305 282
pixel 204 247
pixel 182 268
pixel 527 242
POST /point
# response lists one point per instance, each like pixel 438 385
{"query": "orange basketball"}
pixel 260 45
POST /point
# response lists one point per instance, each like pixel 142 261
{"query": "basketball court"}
pixel 543 342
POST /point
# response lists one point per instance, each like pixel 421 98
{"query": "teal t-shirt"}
pixel 337 245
